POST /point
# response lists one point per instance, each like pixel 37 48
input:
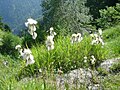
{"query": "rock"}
pixel 108 63
pixel 75 79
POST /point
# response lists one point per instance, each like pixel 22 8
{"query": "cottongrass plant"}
pixel 19 48
pixel 26 55
pixel 50 41
pixel 52 33
pixel 31 24
pixel 97 38
pixel 92 60
pixel 76 38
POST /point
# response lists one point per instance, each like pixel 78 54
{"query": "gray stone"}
pixel 108 63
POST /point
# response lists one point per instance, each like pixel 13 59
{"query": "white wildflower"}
pixel 31 27
pixel 95 35
pixel 52 33
pixel 51 29
pixel 50 43
pixel 73 38
pixel 30 21
pixel 20 50
pixel 100 31
pixel 26 54
pixel 93 42
pixel 30 60
pixel 40 70
pixel 92 35
pixel 50 47
pixel 96 39
pixel 85 59
pixel 101 41
pixel 79 37
pixel 17 47
pixel 76 38
pixel 34 35
pixel 27 51
pixel 50 38
pixel 92 59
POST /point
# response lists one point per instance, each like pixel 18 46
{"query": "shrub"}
pixel 111 82
pixel 109 17
pixel 9 42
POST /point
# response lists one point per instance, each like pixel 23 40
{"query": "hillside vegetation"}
pixel 37 58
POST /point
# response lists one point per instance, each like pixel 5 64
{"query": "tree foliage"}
pixel 109 17
pixel 4 27
pixel 9 42
pixel 96 5
pixel 74 15
pixel 68 14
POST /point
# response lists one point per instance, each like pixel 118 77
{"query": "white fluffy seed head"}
pixel 34 35
pixel 93 59
pixel 50 38
pixel 74 35
pixel 100 31
pixel 30 60
pixel 79 35
pixel 85 57
pixel 30 21
pixel 73 38
pixel 50 43
pixel 76 38
pixel 18 47
pixel 27 51
pixel 51 29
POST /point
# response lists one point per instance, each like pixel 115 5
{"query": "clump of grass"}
pixel 115 67
pixel 111 34
pixel 8 70
pixel 66 56
pixel 114 47
pixel 102 71
pixel 111 82
pixel 112 38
